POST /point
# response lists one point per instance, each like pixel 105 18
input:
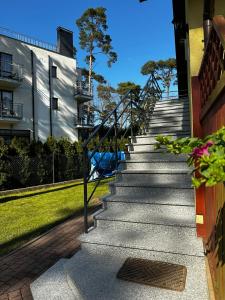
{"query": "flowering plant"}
pixel 206 155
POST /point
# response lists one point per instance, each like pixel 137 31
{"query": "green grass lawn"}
pixel 26 215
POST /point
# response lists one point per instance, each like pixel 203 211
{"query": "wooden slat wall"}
pixel 208 105
pixel 215 207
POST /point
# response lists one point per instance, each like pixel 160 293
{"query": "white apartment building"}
pixel 41 89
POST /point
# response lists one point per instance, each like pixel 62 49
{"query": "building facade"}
pixel 41 89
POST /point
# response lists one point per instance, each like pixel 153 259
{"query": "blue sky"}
pixel 139 31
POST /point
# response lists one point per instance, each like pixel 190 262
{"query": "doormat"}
pixel 154 273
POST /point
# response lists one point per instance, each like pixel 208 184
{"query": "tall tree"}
pixel 93 37
pixel 164 71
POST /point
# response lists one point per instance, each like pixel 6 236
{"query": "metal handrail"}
pixel 134 108
pixel 11 111
pixel 11 70
pixel 27 39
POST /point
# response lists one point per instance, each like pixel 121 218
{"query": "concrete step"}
pixel 161 238
pixel 93 272
pixel 167 129
pixel 171 178
pixel 172 102
pixel 169 119
pixel 53 284
pixel 171 109
pixel 155 164
pixel 166 113
pixel 148 214
pixel 150 195
pixel 170 114
pixel 154 155
pixel 165 124
pixel 150 138
pixel 132 148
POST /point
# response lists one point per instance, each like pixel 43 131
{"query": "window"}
pixel 54 72
pixel 55 103
pixel 5 65
pixel 6 102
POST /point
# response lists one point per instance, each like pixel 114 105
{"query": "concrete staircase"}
pixel 150 213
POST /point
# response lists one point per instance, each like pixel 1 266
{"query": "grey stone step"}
pixel 154 164
pixel 148 139
pixel 169 119
pixel 170 114
pixel 167 129
pixel 144 148
pixel 161 238
pixel 148 214
pixel 171 104
pixel 173 101
pixel 180 124
pixel 146 178
pixel 132 148
pixel 93 272
pixel 172 110
pixel 53 284
pixel 155 155
pixel 150 195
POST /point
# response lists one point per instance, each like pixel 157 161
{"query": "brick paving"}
pixel 21 267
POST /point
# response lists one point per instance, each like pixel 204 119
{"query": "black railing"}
pixel 11 111
pixel 11 71
pixel 82 87
pixel 84 121
pixel 27 39
pixel 129 117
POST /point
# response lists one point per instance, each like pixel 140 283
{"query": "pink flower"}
pixel 202 150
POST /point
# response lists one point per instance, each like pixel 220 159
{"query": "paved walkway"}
pixel 21 267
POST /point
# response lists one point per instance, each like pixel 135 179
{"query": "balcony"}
pixel 11 114
pixel 82 92
pixel 11 75
pixel 84 121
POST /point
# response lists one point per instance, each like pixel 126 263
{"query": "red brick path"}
pixel 21 267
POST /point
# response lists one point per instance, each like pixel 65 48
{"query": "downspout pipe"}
pixel 50 95
pixel 207 27
pixel 207 19
pixel 33 94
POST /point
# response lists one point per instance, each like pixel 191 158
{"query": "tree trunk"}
pixel 89 88
pixel 90 74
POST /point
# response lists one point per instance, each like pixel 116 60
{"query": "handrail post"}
pixel 131 120
pixel 115 135
pixel 85 169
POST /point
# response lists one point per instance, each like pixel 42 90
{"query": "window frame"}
pixel 54 73
pixel 55 103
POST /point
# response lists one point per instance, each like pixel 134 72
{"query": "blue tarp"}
pixel 104 163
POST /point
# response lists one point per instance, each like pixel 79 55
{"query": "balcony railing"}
pixel 81 88
pixel 27 39
pixel 84 121
pixel 11 71
pixel 14 111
